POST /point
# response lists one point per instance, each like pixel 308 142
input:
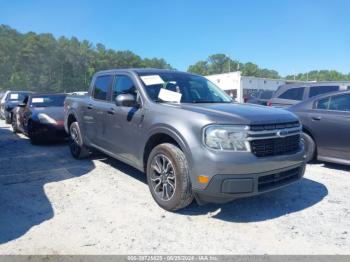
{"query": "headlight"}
pixel 45 119
pixel 223 137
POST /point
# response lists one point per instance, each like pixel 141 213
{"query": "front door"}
pixel 124 129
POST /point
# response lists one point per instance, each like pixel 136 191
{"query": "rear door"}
pixel 330 123
pixel 95 111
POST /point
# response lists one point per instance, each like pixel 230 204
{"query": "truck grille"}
pixel 272 140
pixel 275 146
pixel 278 179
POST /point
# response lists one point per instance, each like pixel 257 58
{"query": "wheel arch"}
pixel 163 135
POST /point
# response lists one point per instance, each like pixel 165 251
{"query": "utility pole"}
pixel 229 63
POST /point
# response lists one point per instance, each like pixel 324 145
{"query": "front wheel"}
pixel 76 145
pixel 33 136
pixel 168 177
pixel 8 118
pixel 14 124
pixel 310 147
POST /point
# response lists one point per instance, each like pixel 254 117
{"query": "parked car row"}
pixel 9 101
pixel 40 117
pixel 189 137
pixel 37 115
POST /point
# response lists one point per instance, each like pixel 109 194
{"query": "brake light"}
pixel 269 103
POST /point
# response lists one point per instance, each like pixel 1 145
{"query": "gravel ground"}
pixel 53 204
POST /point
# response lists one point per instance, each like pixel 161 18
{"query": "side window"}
pixel 317 90
pixel 293 94
pixel 348 87
pixel 323 103
pixel 340 103
pixel 123 85
pixel 102 83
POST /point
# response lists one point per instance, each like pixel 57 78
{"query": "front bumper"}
pixel 49 131
pixel 225 188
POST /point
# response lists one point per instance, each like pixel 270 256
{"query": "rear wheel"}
pixel 310 147
pixel 76 145
pixel 168 177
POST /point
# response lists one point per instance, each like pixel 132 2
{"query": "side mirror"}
pixel 127 100
pixel 21 105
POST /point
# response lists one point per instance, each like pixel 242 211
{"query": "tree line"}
pixel 221 63
pixel 41 62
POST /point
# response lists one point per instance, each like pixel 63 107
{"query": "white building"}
pixel 240 87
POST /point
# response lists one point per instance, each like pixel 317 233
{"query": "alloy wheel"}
pixel 163 178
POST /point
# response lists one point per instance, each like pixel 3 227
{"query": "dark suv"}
pixel 291 94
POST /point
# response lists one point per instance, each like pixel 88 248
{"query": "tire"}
pixel 310 147
pixel 8 118
pixel 34 138
pixel 14 124
pixel 170 185
pixel 76 145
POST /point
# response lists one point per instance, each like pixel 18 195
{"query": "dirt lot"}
pixel 53 204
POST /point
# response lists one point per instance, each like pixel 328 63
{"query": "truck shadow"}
pixel 291 199
pixel 24 171
pixel 294 198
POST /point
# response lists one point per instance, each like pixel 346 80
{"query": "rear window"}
pixel 266 94
pixel 16 96
pixel 293 94
pixel 323 103
pixel 317 90
pixel 47 100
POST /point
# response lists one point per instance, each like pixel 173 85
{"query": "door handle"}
pixel 111 111
pixel 316 118
pixel 90 106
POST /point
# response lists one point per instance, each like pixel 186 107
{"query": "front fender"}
pixel 173 133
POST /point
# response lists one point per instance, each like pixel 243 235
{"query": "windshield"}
pixel 16 96
pixel 184 88
pixel 47 100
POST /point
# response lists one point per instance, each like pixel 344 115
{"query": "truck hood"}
pixel 241 113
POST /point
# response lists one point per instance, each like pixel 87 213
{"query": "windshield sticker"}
pixel 13 96
pixel 169 96
pixel 152 80
pixel 38 100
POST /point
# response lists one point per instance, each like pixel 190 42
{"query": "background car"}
pixel 2 102
pixel 40 117
pixel 291 94
pixel 12 99
pixel 260 98
pixel 326 126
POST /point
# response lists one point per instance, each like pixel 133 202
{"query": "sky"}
pixel 289 36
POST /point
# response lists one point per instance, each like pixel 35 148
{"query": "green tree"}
pixel 40 62
pixel 220 63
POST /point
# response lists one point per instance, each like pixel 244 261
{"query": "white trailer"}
pixel 242 87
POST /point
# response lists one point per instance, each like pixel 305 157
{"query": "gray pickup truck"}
pixel 187 135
